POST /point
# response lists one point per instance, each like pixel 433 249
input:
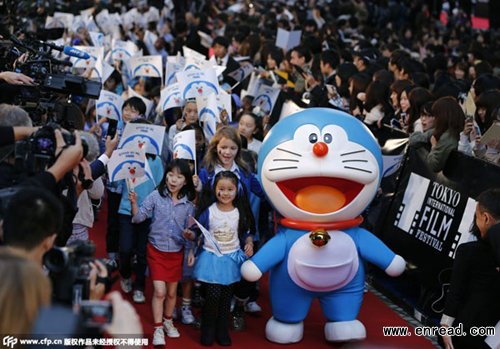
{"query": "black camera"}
pixel 69 268
pixel 37 152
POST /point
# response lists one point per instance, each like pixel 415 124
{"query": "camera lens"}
pixel 55 260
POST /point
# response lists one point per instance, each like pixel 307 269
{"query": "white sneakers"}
pixel 170 330
pixel 159 333
pixel 159 336
pixel 126 285
pixel 252 307
pixel 138 297
pixel 187 317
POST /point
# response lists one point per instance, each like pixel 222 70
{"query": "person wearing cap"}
pixel 363 58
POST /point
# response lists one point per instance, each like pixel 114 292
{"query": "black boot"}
pixel 207 328
pixel 238 317
pixel 222 330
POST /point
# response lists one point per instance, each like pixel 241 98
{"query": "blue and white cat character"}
pixel 320 168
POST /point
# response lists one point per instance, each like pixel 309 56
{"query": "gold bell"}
pixel 319 237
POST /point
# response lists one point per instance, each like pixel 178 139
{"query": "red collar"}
pixel 303 225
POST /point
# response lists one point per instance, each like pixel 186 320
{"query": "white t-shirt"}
pixel 224 229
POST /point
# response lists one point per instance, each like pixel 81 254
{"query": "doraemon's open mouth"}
pixel 320 195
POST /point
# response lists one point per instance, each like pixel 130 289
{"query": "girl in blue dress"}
pixel 226 214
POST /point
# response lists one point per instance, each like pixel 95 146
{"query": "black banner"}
pixel 431 214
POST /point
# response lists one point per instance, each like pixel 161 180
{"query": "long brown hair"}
pixel 24 291
pixel 211 157
pixel 449 116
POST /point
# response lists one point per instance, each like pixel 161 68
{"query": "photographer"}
pixel 26 292
pixel 15 125
pixel 33 219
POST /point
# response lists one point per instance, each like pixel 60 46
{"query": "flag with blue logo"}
pixel 151 66
pixel 208 114
pixel 94 52
pixel 170 98
pixel 123 50
pixel 109 105
pixel 266 98
pixel 97 38
pixel 242 72
pixel 145 137
pixel 184 145
pixel 197 83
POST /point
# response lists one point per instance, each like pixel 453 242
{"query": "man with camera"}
pixel 15 125
pixel 31 223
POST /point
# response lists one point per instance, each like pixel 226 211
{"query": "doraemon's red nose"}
pixel 320 149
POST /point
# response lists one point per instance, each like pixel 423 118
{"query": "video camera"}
pixel 54 83
pixel 69 269
pixel 37 152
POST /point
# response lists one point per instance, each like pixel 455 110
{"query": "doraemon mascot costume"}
pixel 320 168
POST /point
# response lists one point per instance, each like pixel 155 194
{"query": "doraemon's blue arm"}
pixel 272 253
pixel 376 252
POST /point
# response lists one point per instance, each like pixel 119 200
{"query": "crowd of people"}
pixel 406 65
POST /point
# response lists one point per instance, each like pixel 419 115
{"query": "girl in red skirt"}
pixel 170 208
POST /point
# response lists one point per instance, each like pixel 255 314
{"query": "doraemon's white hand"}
pixel 397 266
pixel 250 272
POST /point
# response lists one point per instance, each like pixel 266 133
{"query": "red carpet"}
pixel 374 315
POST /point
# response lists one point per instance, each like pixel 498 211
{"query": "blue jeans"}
pixel 133 240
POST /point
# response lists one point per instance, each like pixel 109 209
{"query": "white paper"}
pixel 288 40
pixel 209 239
pixel 208 114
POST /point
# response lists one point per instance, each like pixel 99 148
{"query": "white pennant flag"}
pixel 97 38
pixel 266 99
pixel 224 102
pixel 208 114
pixel 184 145
pixel 123 50
pixel 109 105
pixel 94 52
pixel 143 136
pixel 190 53
pixel 127 164
pixel 107 70
pixel 242 72
pixel 197 83
pixel 170 98
pixel 147 66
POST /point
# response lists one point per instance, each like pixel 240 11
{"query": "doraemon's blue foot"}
pixel 284 333
pixel 344 331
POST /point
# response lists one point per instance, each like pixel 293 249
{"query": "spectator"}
pixel 472 299
pixel 448 122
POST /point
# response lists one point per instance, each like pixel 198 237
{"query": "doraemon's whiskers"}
pixel 288 151
pixel 355 160
pixel 292 160
pixel 357 169
pixel 353 152
pixel 283 168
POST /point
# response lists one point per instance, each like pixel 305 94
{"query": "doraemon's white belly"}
pixel 325 268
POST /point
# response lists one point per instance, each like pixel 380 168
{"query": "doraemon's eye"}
pixel 313 138
pixel 327 138
pixel 305 137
